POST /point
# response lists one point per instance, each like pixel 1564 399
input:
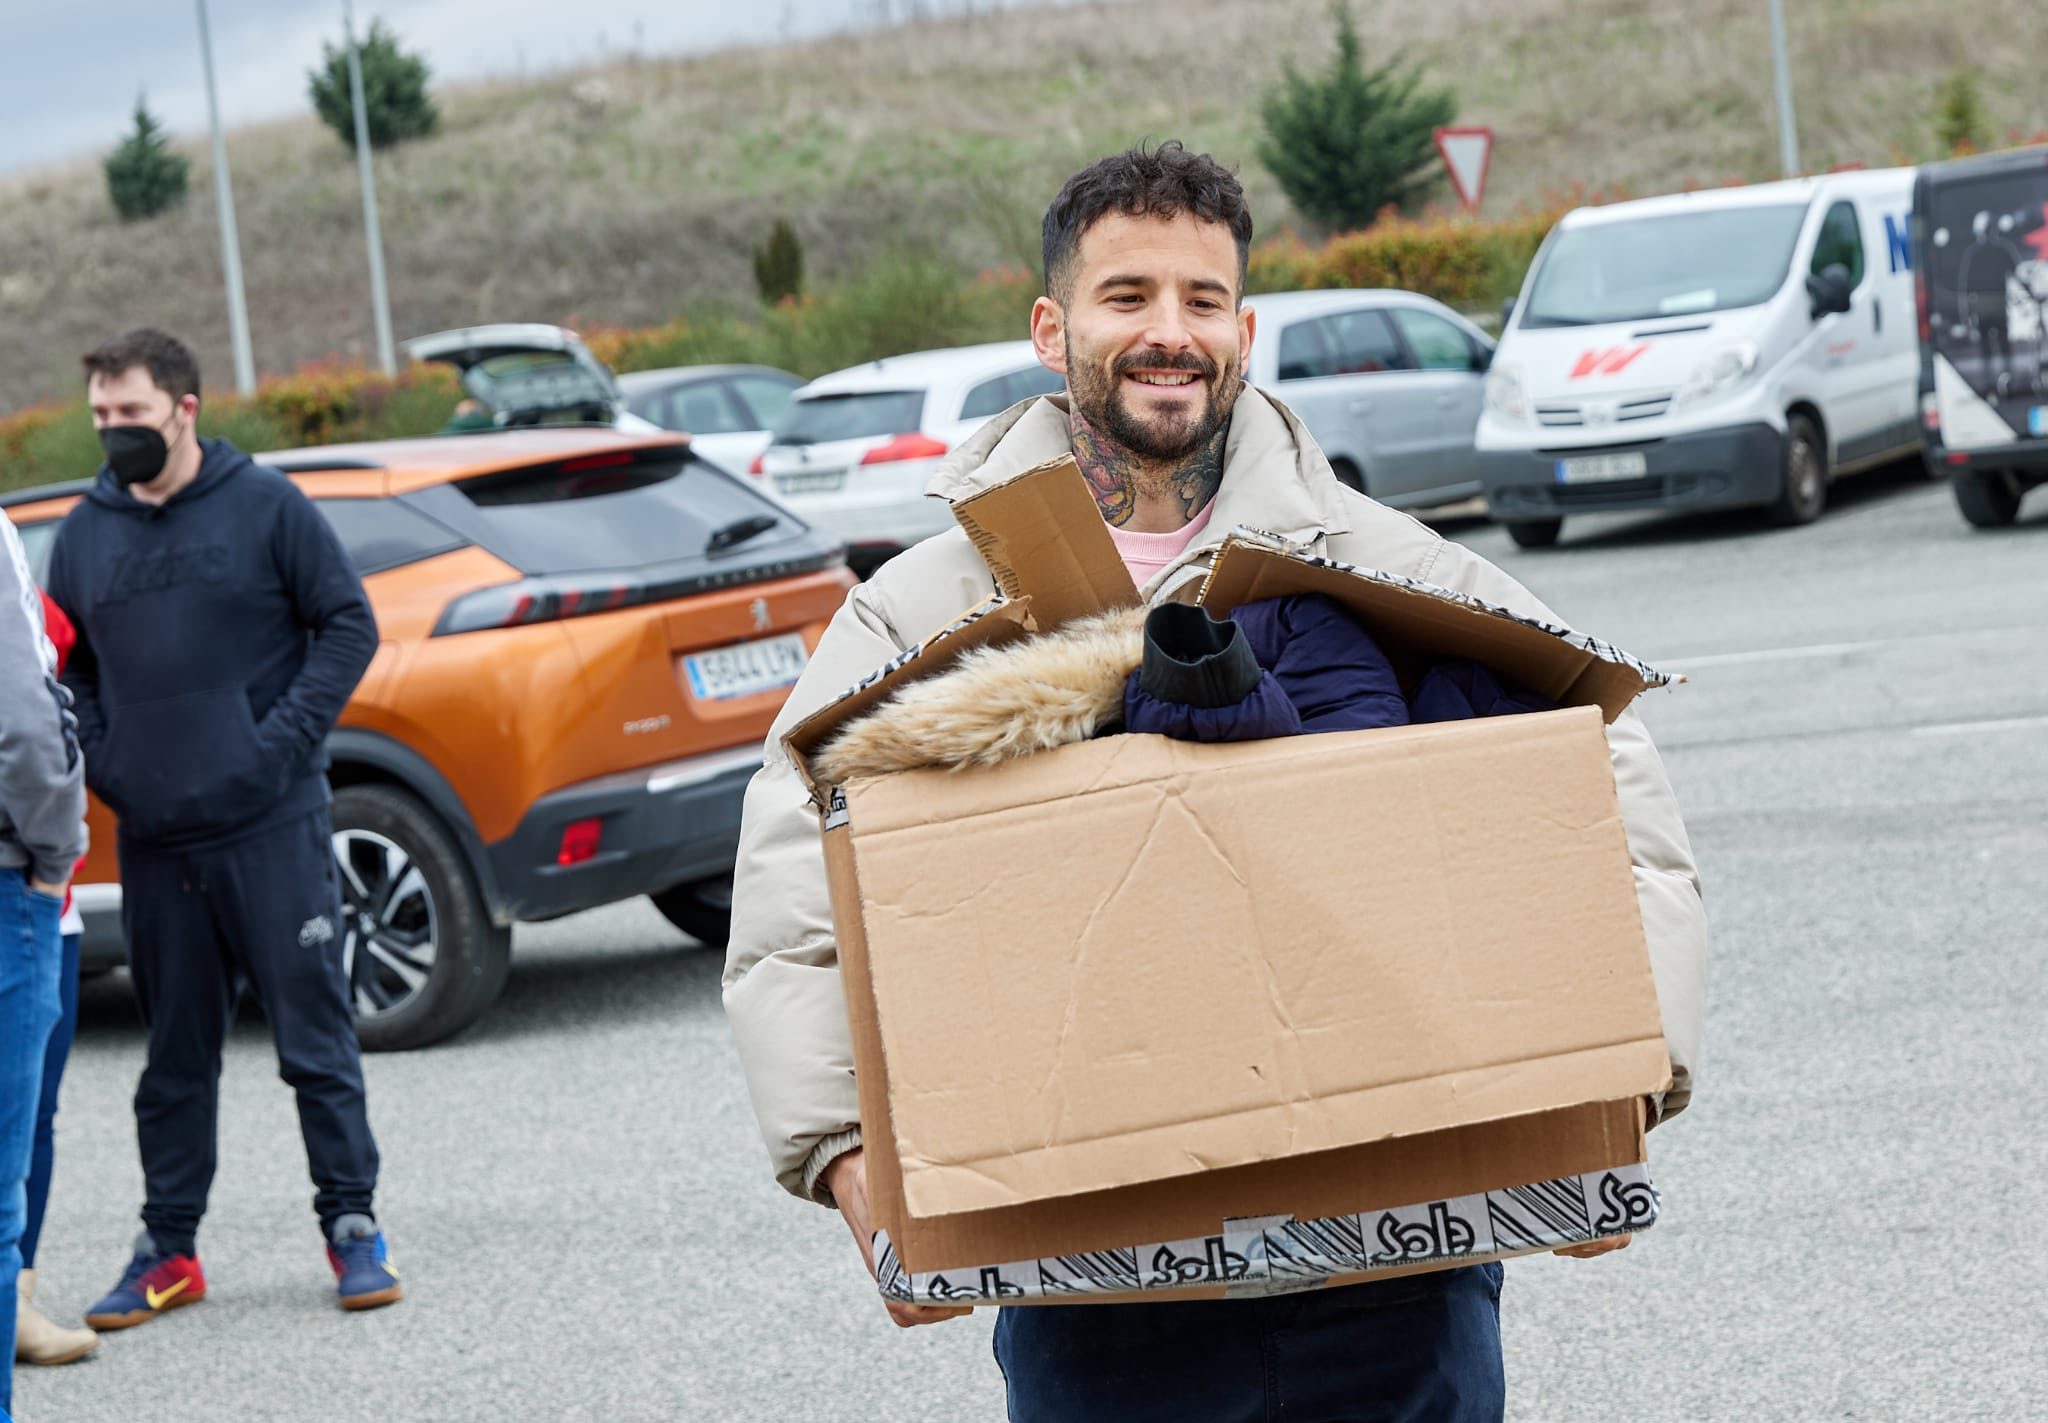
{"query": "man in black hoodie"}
pixel 221 629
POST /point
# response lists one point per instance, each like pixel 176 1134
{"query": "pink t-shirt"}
pixel 1145 554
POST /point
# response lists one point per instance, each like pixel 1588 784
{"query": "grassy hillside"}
pixel 629 194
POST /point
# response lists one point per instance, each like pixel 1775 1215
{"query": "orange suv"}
pixel 584 635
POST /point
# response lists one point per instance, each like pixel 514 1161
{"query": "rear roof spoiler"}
pixel 313 464
pixel 44 491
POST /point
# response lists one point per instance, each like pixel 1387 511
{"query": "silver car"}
pixel 727 411
pixel 1390 384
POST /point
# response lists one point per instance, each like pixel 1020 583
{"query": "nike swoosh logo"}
pixel 158 1299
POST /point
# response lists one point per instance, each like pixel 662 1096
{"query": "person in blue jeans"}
pixel 36 1339
pixel 42 835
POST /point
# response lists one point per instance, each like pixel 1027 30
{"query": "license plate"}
pixel 810 481
pixel 1593 469
pixel 746 669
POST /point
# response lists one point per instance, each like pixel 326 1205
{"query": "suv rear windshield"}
pixel 824 418
pixel 607 513
pixel 527 385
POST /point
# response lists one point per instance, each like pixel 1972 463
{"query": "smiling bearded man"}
pixel 1145 257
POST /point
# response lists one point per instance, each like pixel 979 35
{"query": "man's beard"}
pixel 1101 399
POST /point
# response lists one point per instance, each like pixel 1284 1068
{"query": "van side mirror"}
pixel 1482 358
pixel 1828 290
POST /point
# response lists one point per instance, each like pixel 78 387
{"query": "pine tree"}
pixel 1960 123
pixel 395 101
pixel 1346 143
pixel 779 264
pixel 143 175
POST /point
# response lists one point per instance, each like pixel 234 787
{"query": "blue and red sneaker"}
pixel 364 1276
pixel 155 1280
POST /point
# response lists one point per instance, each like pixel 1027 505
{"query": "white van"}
pixel 1713 349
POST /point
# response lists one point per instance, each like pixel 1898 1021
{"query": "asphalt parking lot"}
pixel 1854 1207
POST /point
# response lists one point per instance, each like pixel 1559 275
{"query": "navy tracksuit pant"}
pixel 265 910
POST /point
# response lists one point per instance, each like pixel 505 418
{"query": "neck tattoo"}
pixel 1119 479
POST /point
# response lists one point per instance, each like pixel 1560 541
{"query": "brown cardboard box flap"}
pixel 1569 667
pixel 1495 1157
pixel 1042 536
pixel 1044 541
pixel 1135 958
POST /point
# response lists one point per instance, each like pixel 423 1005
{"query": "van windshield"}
pixel 1678 265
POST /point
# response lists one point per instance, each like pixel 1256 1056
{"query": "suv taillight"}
pixel 533 600
pixel 759 466
pixel 914 445
pixel 547 600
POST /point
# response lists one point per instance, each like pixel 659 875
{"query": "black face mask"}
pixel 135 453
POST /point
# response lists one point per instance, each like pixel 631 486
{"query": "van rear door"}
pixel 1985 261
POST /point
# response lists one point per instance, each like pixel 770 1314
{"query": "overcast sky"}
pixel 69 73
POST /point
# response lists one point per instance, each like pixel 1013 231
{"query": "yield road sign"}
pixel 1467 152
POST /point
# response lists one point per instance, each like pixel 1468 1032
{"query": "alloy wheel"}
pixel 390 922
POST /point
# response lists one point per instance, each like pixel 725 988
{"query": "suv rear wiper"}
pixel 739 531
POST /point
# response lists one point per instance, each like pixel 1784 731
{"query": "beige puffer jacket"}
pixel 782 990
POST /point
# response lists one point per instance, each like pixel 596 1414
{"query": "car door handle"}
pixel 1876 314
pixel 1360 407
pixel 1445 402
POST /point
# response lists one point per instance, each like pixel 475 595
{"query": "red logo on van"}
pixel 1607 362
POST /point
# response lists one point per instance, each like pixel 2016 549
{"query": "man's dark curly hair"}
pixel 170 362
pixel 1163 182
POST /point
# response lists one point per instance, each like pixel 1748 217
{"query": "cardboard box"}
pixel 1139 1018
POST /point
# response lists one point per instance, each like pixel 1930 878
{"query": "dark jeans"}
pixel 28 1006
pixel 44 1156
pixel 266 908
pixel 1422 1349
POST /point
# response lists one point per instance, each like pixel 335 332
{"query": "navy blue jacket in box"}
pixel 1273 668
pixel 219 636
pixel 1455 690
pixel 1287 665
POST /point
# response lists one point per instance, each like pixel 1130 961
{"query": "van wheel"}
pixel 1535 533
pixel 423 958
pixel 1989 498
pixel 702 909
pixel 1803 492
pixel 1349 475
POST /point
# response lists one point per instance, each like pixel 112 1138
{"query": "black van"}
pixel 1980 249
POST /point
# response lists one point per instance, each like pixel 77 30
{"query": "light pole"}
pixel 230 244
pixel 380 300
pixel 1788 134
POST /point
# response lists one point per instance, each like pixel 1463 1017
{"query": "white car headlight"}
pixel 1726 368
pixel 1505 395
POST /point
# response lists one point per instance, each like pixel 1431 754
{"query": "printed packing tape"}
pixel 1266 1255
